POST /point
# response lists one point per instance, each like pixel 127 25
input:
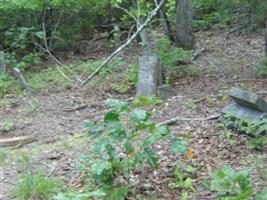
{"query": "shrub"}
pixel 231 184
pixel 124 142
pixel 175 60
pixel 7 85
pixel 127 80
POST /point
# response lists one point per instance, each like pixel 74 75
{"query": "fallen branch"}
pixel 16 141
pixel 244 80
pixel 176 119
pixel 198 53
pixel 53 58
pixel 262 92
pixel 121 48
pixel 20 77
pixel 235 29
pixel 76 108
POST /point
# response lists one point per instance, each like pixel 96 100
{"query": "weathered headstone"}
pixel 2 63
pixel 149 66
pixel 150 79
pixel 246 107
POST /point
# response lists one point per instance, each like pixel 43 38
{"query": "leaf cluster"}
pixel 123 143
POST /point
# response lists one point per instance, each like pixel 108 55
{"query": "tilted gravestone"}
pixel 247 107
pixel 150 81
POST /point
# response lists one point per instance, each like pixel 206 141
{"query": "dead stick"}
pixel 245 80
pixel 14 141
pixel 20 77
pixel 198 53
pixel 176 119
pixel 121 48
pixel 76 108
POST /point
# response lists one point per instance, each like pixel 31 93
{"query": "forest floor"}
pixel 61 141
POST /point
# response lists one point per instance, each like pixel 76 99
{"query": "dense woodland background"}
pixel 72 124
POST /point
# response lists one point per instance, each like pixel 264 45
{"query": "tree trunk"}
pixel 143 36
pixel 266 36
pixel 2 63
pixel 184 24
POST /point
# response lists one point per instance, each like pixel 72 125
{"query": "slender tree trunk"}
pixel 184 24
pixel 143 36
pixel 2 63
pixel 266 36
pixel 166 23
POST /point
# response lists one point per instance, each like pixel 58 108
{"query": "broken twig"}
pixel 198 53
pixel 20 77
pixel 76 108
pixel 16 141
pixel 176 119
pixel 244 80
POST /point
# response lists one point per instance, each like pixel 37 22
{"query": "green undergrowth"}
pixel 53 79
pixel 36 186
pixel 21 156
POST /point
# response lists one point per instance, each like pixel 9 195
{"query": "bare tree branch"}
pixel 59 64
pixel 176 119
pixel 121 48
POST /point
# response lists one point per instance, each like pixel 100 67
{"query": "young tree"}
pixel 184 24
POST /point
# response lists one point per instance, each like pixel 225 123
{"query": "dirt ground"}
pixel 229 61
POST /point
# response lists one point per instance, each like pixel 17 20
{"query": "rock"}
pixel 248 107
pixel 164 91
pixel 248 99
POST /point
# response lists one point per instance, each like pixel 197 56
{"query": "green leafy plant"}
pixel 175 60
pixel 257 163
pixel 182 179
pixel 170 55
pixel 261 195
pixel 7 85
pixel 257 142
pixel 36 186
pixel 19 41
pixel 231 185
pixel 7 126
pixel 254 129
pixel 143 101
pixel 207 21
pixel 127 80
pixel 261 69
pixel 124 142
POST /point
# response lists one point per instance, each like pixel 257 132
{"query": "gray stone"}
pixel 164 91
pixel 2 63
pixel 248 99
pixel 246 107
pixel 149 68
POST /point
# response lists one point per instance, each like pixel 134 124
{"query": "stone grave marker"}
pixel 247 107
pixel 150 81
pixel 149 66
